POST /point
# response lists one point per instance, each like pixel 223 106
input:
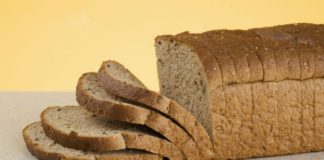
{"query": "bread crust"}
pixel 137 115
pixel 35 150
pixel 42 154
pixel 319 113
pixel 306 37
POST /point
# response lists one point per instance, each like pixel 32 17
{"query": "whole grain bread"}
pixel 274 108
pixel 75 127
pixel 119 81
pixel 44 148
pixel 92 95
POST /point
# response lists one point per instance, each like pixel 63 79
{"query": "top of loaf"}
pixel 292 51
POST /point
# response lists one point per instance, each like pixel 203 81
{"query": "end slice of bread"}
pixel 119 81
pixel 44 148
pixel 94 98
pixel 75 127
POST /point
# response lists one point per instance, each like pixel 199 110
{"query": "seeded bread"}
pixel 117 80
pixel 274 108
pixel 45 148
pixel 92 95
pixel 75 127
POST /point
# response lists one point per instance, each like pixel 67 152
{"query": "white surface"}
pixel 19 109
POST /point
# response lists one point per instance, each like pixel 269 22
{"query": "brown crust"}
pixel 160 103
pixel 36 150
pixel 303 36
pixel 138 115
pixel 41 154
pixel 110 143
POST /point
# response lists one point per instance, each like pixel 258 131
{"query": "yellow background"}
pixel 47 45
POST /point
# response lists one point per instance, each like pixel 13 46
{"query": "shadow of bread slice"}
pixel 94 98
pixel 44 148
pixel 75 127
pixel 119 81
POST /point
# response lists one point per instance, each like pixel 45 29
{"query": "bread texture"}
pixel 119 81
pixel 258 92
pixel 45 148
pixel 93 97
pixel 75 127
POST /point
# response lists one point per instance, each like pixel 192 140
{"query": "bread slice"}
pixel 117 80
pixel 45 148
pixel 75 127
pixel 92 95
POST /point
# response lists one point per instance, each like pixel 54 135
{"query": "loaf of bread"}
pixel 258 92
pixel 224 94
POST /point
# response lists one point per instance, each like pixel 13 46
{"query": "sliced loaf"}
pixel 45 148
pixel 276 111
pixel 92 95
pixel 118 80
pixel 75 127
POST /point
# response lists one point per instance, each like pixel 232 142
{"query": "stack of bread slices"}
pixel 118 118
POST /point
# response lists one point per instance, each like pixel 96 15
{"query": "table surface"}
pixel 21 108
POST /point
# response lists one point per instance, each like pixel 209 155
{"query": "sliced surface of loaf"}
pixel 75 127
pixel 258 92
pixel 119 81
pixel 92 95
pixel 45 148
